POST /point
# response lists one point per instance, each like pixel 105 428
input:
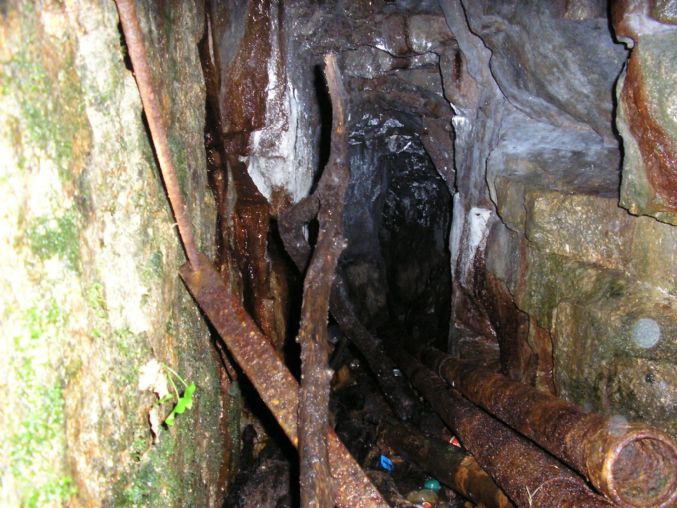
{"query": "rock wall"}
pixel 578 294
pixel 647 112
pixel 90 291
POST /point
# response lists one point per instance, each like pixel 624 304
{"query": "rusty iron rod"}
pixel 633 464
pixel 275 384
pixel 527 474
pixel 315 478
pixel 395 389
pixel 137 53
pixel 449 464
pixel 273 381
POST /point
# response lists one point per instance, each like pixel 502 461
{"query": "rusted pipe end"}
pixel 640 469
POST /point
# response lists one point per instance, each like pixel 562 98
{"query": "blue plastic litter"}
pixel 387 464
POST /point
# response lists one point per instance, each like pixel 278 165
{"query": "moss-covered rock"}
pixel 90 291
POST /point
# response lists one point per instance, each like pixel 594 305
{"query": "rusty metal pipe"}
pixel 633 464
pixel 449 464
pixel 528 475
pixel 274 383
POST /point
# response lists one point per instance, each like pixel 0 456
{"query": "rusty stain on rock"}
pixel 656 145
pixel 631 20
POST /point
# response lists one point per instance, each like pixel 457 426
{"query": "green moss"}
pixel 553 279
pixel 153 269
pixel 38 429
pixel 54 490
pixel 180 157
pixel 56 236
pixel 39 320
pixel 41 76
pixel 46 122
pixel 615 289
pixel 139 447
pixel 234 413
pixel 42 424
pixel 132 348
pixel 96 300
pixel 156 481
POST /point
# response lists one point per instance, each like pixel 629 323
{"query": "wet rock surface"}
pixel 586 272
pixel 554 246
pixel 646 117
pixel 90 259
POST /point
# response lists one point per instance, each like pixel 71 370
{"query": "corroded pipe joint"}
pixel 531 477
pixel 634 465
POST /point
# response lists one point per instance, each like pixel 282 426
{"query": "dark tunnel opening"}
pixel 397 221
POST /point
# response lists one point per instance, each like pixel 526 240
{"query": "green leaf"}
pixel 188 395
pixel 181 406
pixel 184 402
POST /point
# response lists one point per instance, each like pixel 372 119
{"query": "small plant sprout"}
pixel 156 377
pixel 184 401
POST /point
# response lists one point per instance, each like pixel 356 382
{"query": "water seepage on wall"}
pixel 90 291
pixel 552 278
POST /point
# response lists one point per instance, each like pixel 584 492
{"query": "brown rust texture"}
pixel 529 476
pixel 487 308
pixel 274 383
pixel 540 342
pixel 246 252
pixel 518 359
pixel 316 485
pixel 263 272
pixel 449 464
pixel 657 146
pixel 243 97
pixel 634 465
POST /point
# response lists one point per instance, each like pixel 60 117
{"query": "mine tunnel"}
pixel 354 253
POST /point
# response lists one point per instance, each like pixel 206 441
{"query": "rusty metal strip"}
pixel 528 475
pixel 449 464
pixel 634 465
pixel 274 383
